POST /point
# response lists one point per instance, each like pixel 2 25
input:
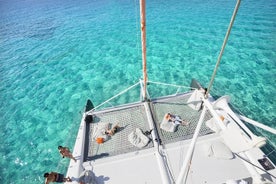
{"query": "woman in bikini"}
pixel 65 152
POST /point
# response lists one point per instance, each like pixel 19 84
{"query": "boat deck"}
pixel 134 116
pixel 118 161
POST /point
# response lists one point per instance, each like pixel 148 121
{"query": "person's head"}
pixel 59 147
pixel 168 116
pixel 46 175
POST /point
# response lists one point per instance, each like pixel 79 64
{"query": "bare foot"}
pixel 185 123
pixel 69 179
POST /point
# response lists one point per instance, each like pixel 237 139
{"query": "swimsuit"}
pixel 176 120
pixel 59 178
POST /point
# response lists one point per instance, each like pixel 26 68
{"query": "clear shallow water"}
pixel 56 55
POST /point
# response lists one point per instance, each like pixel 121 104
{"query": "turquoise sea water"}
pixel 54 55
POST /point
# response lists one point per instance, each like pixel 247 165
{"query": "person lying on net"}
pixel 112 131
pixel 175 119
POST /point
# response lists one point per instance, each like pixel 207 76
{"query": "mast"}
pixel 143 42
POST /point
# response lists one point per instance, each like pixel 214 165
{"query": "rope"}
pixel 223 45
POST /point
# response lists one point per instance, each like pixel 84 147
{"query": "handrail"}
pixel 257 124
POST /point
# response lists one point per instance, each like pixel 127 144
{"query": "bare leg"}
pixel 68 179
pixel 73 158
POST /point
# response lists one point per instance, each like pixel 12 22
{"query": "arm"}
pixel 61 153
pixel 46 181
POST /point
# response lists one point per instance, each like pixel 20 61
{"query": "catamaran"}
pixel 184 137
